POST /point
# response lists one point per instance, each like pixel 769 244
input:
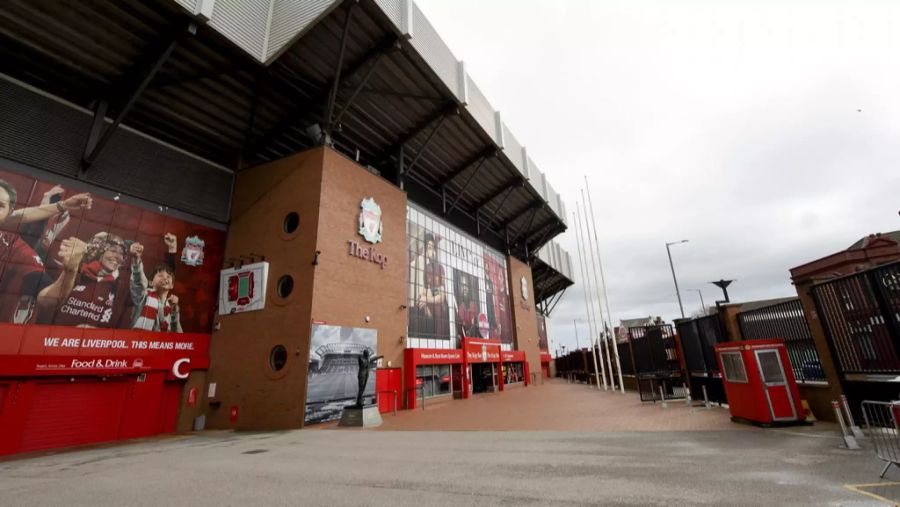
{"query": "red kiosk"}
pixel 759 382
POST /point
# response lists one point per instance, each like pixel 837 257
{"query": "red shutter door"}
pixel 168 407
pixel 75 413
pixel 3 390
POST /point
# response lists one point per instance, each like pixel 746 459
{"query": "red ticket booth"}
pixel 759 382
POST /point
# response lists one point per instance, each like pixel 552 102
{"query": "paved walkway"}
pixel 593 448
pixel 557 405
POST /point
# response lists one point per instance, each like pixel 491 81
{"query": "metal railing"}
pixel 410 389
pixel 787 321
pixel 881 423
pixel 860 314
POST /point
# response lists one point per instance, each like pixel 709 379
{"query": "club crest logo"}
pixel 370 226
pixel 192 253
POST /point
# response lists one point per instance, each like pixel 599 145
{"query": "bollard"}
pixel 849 441
pixel 857 432
pixel 705 398
pixel 687 394
pixel 662 394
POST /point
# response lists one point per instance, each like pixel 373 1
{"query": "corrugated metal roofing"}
pixel 213 99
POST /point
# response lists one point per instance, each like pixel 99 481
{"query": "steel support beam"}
pixel 437 127
pixel 527 227
pixel 515 216
pixel 304 107
pixel 362 83
pixel 336 82
pixel 439 115
pixel 465 186
pixel 468 163
pixel 134 82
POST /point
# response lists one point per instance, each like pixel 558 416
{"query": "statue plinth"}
pixel 355 417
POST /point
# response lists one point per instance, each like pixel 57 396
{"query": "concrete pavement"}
pixel 737 465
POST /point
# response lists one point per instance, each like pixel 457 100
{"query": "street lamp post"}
pixel 672 266
pixel 702 304
pixel 575 325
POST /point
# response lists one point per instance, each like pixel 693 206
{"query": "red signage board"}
pixel 192 397
pixel 436 356
pixel 513 356
pixel 64 350
pixel 481 350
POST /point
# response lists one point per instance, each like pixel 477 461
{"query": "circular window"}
pixel 278 357
pixel 291 222
pixel 285 286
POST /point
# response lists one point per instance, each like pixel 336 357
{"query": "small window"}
pixel 285 286
pixel 733 364
pixel 277 358
pixel 291 222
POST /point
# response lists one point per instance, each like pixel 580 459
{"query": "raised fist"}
pixel 78 201
pixel 71 251
pixel 171 242
pixel 56 190
pixel 136 250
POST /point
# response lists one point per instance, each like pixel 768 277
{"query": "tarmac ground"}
pixel 587 454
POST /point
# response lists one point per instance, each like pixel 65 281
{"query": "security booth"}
pixel 759 382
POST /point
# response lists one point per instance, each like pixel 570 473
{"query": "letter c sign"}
pixel 178 367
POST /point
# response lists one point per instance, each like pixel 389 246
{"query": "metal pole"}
pixel 601 323
pixel 595 286
pixel 705 397
pixel 662 395
pixel 587 305
pixel 611 341
pixel 672 266
pixel 849 441
pixel 853 427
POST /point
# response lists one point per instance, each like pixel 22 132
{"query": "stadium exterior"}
pixel 337 151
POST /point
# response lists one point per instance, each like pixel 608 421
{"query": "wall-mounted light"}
pixel 315 261
pixel 403 307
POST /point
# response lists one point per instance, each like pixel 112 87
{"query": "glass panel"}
pixel 733 364
pixel 770 365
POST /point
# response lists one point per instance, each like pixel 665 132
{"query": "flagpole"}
pixel 615 345
pixel 587 237
pixel 587 306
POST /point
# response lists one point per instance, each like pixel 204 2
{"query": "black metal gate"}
pixel 654 357
pixel 698 339
pixel 786 321
pixel 860 314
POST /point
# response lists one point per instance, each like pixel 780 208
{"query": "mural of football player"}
pixel 466 295
pixel 429 312
pixel 21 264
pixel 155 307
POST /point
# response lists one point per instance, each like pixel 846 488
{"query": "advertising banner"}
pixel 457 286
pixel 243 289
pixel 336 355
pixel 64 350
pixel 69 258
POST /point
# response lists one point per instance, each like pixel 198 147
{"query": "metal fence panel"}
pixel 882 428
pixel 861 317
pixel 787 321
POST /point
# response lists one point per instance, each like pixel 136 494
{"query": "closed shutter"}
pixel 168 407
pixel 67 414
pixel 4 388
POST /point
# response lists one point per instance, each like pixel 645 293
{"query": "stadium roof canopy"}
pixel 240 83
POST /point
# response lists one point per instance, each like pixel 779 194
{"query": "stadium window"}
pixel 285 286
pixel 277 358
pixel 291 222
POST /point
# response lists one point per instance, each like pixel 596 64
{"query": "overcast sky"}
pixel 765 132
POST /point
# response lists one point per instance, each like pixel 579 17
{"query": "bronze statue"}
pixel 365 363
